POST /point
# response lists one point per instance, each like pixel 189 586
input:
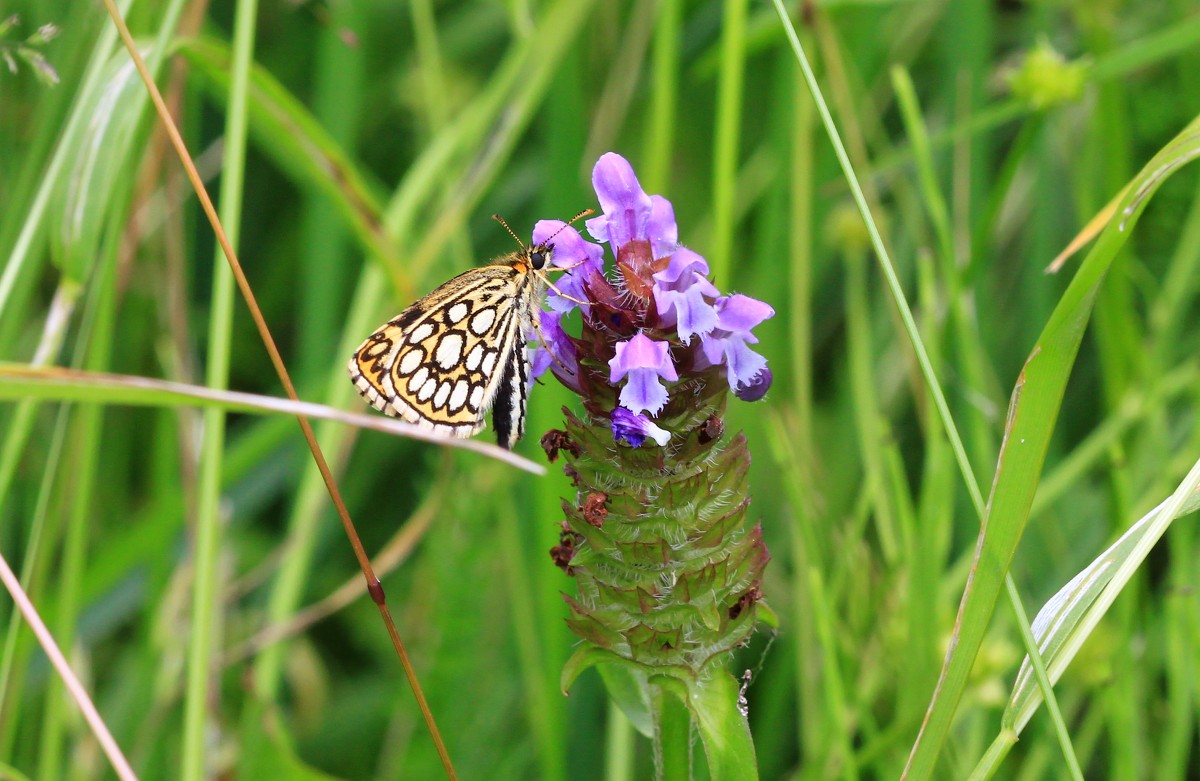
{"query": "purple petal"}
pixel 625 204
pixel 634 429
pixel 661 228
pixel 617 185
pixel 641 352
pixel 629 213
pixel 557 342
pixel 641 361
pixel 572 288
pixel 625 428
pixel 687 311
pixel 712 348
pixel 742 363
pixel 643 392
pixel 556 352
pixel 739 313
pixel 682 261
pixel 571 249
pixel 680 292
pixel 539 362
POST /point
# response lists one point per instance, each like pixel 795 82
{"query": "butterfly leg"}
pixel 537 329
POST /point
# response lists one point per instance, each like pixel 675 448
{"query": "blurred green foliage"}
pixel 380 138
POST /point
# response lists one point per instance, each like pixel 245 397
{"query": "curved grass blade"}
pixel 1068 618
pixel 19 381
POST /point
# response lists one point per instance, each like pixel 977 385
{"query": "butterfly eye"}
pixel 538 258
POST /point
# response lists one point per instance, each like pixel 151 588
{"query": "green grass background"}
pixel 377 139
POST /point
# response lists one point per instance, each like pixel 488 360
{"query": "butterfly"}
pixel 447 359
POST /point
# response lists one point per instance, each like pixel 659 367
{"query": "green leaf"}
pixel 627 687
pixel 96 164
pixel 766 615
pixel 625 681
pixel 1068 618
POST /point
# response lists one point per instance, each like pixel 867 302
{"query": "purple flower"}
pixel 644 361
pixel 629 213
pixel 679 293
pixel 580 259
pixel 556 352
pixel 726 343
pixel 633 430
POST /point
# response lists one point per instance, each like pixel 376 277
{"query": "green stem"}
pixel 206 583
pixel 725 145
pixel 664 96
pixel 672 736
pixel 619 745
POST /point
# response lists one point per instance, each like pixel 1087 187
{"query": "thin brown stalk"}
pixel 373 585
pixel 390 556
pixel 115 757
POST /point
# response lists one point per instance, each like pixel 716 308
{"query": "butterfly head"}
pixel 540 255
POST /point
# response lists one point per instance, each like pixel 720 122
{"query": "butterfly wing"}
pixel 508 410
pixel 440 363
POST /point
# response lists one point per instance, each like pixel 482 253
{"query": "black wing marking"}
pixel 508 409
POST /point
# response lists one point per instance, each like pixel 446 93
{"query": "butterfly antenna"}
pixel 499 219
pixel 542 273
pixel 516 238
pixel 584 213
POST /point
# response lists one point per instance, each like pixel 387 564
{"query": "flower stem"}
pixel 672 736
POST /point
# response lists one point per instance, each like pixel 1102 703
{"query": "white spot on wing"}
pixel 476 397
pixel 489 362
pixel 459 396
pixel 411 360
pixel 482 321
pixel 457 312
pixel 420 333
pixel 427 390
pixel 474 357
pixel 417 380
pixel 439 398
pixel 449 351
